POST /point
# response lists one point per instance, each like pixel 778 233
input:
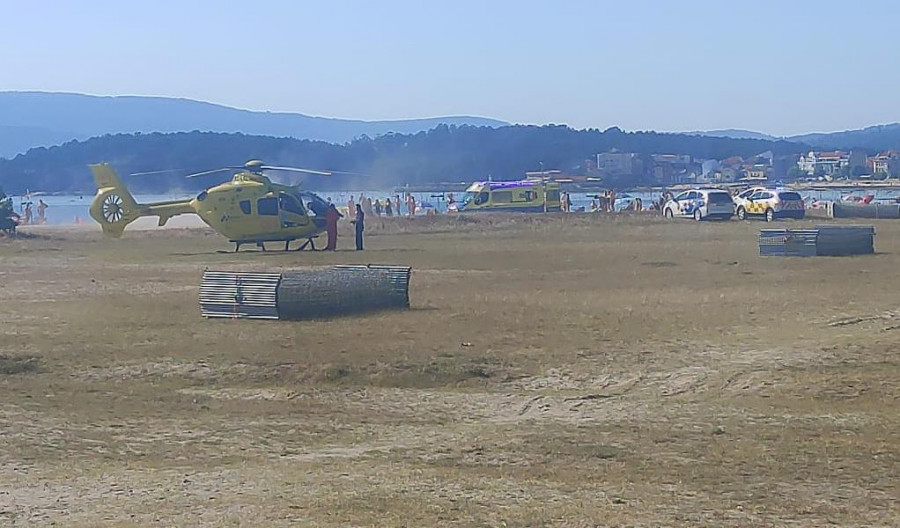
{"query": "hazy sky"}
pixel 778 66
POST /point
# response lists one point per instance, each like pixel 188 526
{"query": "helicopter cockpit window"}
pixel 245 206
pixel 315 205
pixel 290 204
pixel 267 206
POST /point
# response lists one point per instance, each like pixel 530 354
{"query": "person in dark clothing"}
pixel 360 223
pixel 331 220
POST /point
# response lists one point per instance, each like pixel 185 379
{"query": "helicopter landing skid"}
pixel 310 243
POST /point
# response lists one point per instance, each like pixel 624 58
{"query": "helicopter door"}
pixel 291 212
pixel 267 215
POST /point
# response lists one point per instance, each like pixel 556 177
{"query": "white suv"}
pixel 700 204
pixel 769 203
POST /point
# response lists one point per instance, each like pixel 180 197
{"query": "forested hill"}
pixel 444 154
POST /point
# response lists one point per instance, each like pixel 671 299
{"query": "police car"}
pixel 769 203
pixel 700 204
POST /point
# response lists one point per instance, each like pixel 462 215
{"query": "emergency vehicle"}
pixel 700 204
pixel 769 203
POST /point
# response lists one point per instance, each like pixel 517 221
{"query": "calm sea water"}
pixel 70 209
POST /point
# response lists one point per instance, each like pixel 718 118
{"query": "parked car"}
pixel 769 203
pixel 700 204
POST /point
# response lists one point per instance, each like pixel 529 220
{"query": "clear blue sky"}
pixel 782 67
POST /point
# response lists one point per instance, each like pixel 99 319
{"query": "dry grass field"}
pixel 552 372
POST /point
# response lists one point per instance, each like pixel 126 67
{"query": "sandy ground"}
pixel 553 371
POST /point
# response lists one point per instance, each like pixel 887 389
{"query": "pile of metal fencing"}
pixel 825 240
pixel 304 294
pixel 239 295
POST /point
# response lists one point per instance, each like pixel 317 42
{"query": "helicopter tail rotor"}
pixel 113 207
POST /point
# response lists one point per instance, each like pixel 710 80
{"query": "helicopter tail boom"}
pixel 114 207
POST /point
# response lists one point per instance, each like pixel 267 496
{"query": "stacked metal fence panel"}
pixel 825 240
pixel 304 294
pixel 239 295
pixel 845 240
pixel 787 242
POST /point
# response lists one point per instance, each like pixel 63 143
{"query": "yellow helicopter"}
pixel 247 209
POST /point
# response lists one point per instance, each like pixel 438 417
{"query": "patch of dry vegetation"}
pixel 562 371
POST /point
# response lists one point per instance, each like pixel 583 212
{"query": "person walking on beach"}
pixel 360 224
pixel 29 215
pixel 351 205
pixel 42 210
pixel 331 220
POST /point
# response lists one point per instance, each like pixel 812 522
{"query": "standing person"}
pixel 331 220
pixel 42 210
pixel 388 211
pixel 612 200
pixel 360 223
pixel 410 205
pixel 351 205
pixel 397 205
pixel 29 216
pixel 367 205
pixel 378 208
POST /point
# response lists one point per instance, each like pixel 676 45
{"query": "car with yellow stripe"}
pixel 769 203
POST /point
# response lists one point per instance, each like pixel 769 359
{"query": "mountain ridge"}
pixel 50 118
pixel 876 137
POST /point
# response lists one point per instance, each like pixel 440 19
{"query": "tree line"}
pixel 443 154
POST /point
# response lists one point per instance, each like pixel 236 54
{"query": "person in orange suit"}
pixel 331 220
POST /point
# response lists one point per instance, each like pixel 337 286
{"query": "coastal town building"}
pixel 618 163
pixel 830 163
pixel 886 163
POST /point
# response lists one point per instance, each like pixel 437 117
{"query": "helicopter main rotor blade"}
pixel 164 171
pixel 350 173
pixel 296 169
pixel 204 173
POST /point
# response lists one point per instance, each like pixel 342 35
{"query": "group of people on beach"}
pixel 358 208
pixel 389 206
pixel 604 203
pixel 27 217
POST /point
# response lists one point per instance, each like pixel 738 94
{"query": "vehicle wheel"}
pixel 770 215
pixel 669 214
pixel 698 215
pixel 741 213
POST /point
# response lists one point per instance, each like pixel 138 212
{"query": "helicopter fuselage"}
pixel 252 208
